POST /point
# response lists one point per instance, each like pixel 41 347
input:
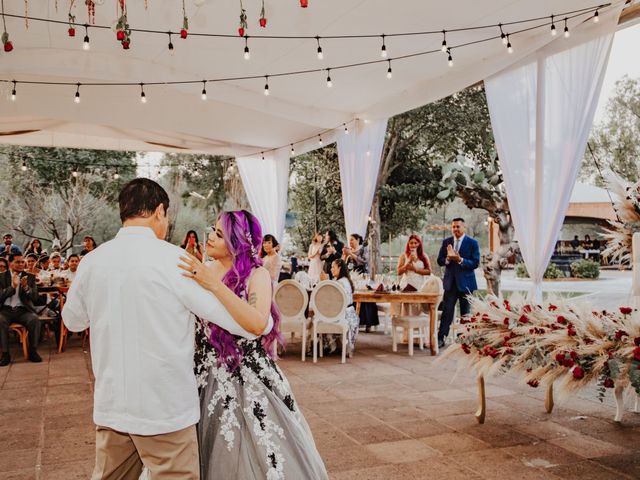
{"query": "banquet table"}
pixel 431 299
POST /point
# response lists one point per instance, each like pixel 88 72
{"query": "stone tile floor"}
pixel 380 416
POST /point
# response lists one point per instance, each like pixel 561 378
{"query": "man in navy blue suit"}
pixel 460 255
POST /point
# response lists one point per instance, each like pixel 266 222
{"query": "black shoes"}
pixel 441 343
pixel 5 359
pixel 34 357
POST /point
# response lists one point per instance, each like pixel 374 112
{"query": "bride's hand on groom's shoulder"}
pixel 208 276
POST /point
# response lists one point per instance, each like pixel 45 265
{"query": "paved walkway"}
pixel 381 416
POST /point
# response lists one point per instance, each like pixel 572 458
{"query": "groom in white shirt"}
pixel 131 294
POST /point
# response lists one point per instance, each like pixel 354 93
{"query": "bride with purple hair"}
pixel 250 425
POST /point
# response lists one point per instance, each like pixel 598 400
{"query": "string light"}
pixel 553 27
pixel 346 129
pixel 383 49
pixel 14 94
pixel 262 153
pixel 85 43
pixel 566 28
pixel 320 54
pixel 503 36
pixel 319 140
pixel 293 152
pixel 596 17
pixel 203 96
pixel 389 73
pixel 266 85
pixel 170 46
pixel 77 97
pixel 509 47
pixel 143 97
pixel 450 59
pixel 116 175
pixel 444 47
pixel 247 56
pixel 24 166
pixel 74 173
pixel 329 82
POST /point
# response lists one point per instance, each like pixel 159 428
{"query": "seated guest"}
pixel 587 244
pixel 55 264
pixel 575 243
pixel 9 248
pixel 32 264
pixel 70 274
pixel 89 245
pixel 270 257
pixel 356 257
pixel 331 251
pixel 192 245
pixel 596 244
pixel 34 247
pixel 4 265
pixel 18 292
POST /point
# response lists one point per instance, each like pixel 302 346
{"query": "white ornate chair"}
pixel 329 304
pixel 420 322
pixel 291 300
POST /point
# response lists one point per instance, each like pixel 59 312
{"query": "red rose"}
pixel 560 358
pixel 620 334
pixel 561 319
pixel 120 35
pixel 578 373
pixel 608 383
pixel 466 348
pixel 626 310
pixel 527 308
pixel 636 341
pixel 636 353
pixel 304 3
pixel 507 305
pixel 506 321
pixel 8 47
pixel 573 355
pixel 72 32
pixel 568 363
pixel 241 31
pixel 533 383
pixel 552 308
pixel 125 45
pixel 263 22
pixel 183 33
pixel 523 319
pixel 507 338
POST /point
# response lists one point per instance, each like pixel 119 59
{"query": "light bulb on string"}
pixel 74 173
pixel 24 166
pixel 203 96
pixel 247 55
pixel 266 85
pixel 553 27
pixel 170 46
pixel 320 54
pixel 450 59
pixel 596 17
pixel 503 36
pixel 116 175
pixel 262 153
pixel 14 94
pixel 346 129
pixel 444 47
pixel 85 42
pixel 389 72
pixel 566 29
pixel 383 49
pixel 77 97
pixel 293 152
pixel 509 47
pixel 143 96
pixel 329 82
pixel 319 140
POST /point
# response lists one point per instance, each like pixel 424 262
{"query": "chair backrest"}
pixel 329 301
pixel 291 300
pixel 433 285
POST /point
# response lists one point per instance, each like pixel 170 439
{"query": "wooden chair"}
pixel 329 304
pixel 292 300
pixel 419 322
pixel 23 335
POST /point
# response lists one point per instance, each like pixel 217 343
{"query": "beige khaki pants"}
pixel 121 456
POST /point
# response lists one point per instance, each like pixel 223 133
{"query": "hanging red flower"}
pixel 263 18
pixel 626 310
pixel 304 3
pixel 8 46
pixel 185 28
pixel 243 21
pixel 123 31
pixel 72 30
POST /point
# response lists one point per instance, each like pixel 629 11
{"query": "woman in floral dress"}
pixel 251 426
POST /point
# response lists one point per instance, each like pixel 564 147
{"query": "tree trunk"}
pixel 498 260
pixel 375 264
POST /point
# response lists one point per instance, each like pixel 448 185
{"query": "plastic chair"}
pixel 329 304
pixel 292 300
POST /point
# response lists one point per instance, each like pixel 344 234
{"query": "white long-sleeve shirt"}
pixel 131 293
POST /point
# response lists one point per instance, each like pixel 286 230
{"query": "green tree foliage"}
pixel 616 140
pixel 315 195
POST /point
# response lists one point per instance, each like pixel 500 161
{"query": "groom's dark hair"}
pixel 140 198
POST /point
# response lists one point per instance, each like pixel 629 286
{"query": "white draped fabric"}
pixel 542 111
pixel 266 183
pixel 359 154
